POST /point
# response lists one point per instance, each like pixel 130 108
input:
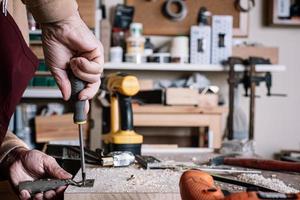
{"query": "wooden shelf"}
pixel 187 67
pixel 42 92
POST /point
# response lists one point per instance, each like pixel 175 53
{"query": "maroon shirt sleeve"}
pixel 17 67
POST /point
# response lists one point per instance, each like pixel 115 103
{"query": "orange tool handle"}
pixel 273 165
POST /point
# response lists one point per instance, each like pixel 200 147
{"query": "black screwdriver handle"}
pixel 42 185
pixel 77 86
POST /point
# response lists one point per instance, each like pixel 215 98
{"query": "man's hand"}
pixel 30 165
pixel 69 43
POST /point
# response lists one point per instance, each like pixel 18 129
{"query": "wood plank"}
pixel 156 109
pixel 56 127
pixel 113 184
pixel 213 122
pixel 181 96
pixel 171 120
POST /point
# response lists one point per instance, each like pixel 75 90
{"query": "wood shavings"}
pixel 273 183
pixel 119 180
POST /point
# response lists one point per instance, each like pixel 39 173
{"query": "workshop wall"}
pixel 277 123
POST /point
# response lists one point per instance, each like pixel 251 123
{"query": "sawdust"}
pixel 274 183
pixel 130 180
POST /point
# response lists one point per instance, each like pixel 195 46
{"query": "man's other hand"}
pixel 30 165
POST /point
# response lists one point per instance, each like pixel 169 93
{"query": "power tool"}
pixel 122 137
pixel 198 185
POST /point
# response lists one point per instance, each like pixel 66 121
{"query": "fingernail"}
pixel 68 174
pixel 82 98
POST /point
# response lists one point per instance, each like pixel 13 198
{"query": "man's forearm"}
pixel 48 11
pixel 10 143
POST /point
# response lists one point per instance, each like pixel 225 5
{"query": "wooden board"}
pixel 56 127
pixel 149 13
pixel 181 96
pixel 113 183
pixel 157 109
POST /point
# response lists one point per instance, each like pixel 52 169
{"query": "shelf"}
pixel 40 92
pixel 187 67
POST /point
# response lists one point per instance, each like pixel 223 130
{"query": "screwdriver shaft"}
pixel 82 159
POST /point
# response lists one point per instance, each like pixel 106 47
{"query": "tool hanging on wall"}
pixel 173 15
pixel 233 82
pixel 249 80
pixel 122 136
pixel 241 8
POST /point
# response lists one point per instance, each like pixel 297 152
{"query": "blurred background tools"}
pixel 68 155
pixel 198 185
pixel 122 137
pixel 271 165
pixel 250 81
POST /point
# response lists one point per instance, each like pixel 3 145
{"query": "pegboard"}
pixel 155 23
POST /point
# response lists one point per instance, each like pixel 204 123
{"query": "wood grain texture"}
pixel 122 196
pixel 149 13
pixel 213 122
pixel 181 96
pixel 178 109
pixel 113 184
pixel 56 127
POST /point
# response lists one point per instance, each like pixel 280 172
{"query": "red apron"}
pixel 17 67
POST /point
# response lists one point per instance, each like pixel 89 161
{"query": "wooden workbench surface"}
pixel 117 183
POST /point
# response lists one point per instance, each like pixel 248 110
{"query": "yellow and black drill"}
pixel 122 136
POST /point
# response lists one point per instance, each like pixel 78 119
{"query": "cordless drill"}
pixel 122 136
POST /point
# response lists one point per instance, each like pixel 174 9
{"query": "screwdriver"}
pixel 79 116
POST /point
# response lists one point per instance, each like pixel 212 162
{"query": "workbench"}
pixel 118 184
pixel 182 116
